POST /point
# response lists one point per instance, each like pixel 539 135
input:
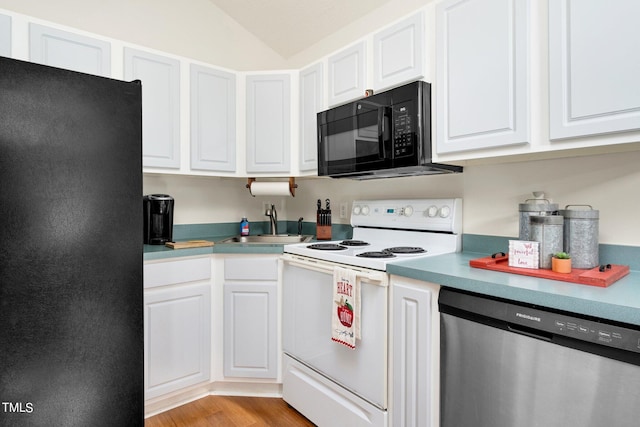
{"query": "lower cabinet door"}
pixel 250 330
pixel 177 338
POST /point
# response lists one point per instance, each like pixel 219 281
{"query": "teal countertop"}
pixel 619 302
pixel 218 232
pixel 154 252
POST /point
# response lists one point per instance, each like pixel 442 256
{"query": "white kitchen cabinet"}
pixel 160 78
pixel 177 325
pixel 250 317
pixel 398 53
pixel 213 119
pixel 593 67
pixel 63 49
pixel 5 35
pixel 268 145
pixel 414 353
pixel 311 103
pixel 482 90
pixel 347 74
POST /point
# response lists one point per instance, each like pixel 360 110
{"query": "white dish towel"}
pixel 345 309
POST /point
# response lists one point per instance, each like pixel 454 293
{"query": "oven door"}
pixel 307 306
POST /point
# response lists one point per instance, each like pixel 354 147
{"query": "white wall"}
pixel 202 200
pixel 610 183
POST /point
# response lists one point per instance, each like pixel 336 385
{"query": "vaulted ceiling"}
pixel 290 26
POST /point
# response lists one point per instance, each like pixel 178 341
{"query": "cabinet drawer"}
pixel 251 268
pixel 173 272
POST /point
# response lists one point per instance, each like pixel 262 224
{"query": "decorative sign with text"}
pixel 523 254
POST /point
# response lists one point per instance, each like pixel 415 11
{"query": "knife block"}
pixel 323 232
pixel 323 223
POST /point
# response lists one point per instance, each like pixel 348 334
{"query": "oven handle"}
pixel 372 276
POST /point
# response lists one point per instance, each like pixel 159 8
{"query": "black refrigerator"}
pixel 71 326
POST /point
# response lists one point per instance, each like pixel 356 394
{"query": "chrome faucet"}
pixel 273 219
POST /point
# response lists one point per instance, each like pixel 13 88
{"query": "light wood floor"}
pixel 230 411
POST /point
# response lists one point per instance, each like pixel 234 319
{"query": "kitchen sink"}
pixel 269 238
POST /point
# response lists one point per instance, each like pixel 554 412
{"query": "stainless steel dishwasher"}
pixel 506 364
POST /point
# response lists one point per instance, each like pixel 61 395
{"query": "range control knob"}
pixel 432 211
pixel 445 211
pixel 365 210
pixel 356 210
pixel 407 211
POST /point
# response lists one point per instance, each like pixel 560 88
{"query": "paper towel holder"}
pixel 292 185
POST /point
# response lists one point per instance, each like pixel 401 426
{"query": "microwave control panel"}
pixel 403 130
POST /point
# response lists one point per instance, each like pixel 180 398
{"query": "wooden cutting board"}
pixel 189 244
pixel 593 277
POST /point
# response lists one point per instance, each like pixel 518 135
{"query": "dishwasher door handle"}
pixel 529 332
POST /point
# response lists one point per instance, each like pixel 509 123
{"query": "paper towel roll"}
pixel 270 189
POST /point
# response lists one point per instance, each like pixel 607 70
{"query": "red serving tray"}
pixel 593 276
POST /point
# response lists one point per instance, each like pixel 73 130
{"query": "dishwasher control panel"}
pixel 575 327
pixel 599 333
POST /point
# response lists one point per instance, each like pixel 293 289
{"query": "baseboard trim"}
pixel 169 401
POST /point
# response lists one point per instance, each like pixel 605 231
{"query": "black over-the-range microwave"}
pixel 383 135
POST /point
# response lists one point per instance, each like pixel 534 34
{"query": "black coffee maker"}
pixel 158 219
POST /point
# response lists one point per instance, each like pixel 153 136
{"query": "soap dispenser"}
pixel 244 226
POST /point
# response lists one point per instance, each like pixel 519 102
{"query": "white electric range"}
pixel 387 231
pixel 326 381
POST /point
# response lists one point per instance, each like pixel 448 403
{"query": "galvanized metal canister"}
pixel 532 207
pixel 581 235
pixel 548 231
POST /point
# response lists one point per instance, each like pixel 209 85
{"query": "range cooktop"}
pixel 387 231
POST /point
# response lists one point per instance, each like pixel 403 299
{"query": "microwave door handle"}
pixel 382 115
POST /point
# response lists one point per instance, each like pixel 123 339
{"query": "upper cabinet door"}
pixel 5 36
pixel 594 66
pixel 269 123
pixel 62 49
pixel 347 74
pixel 398 53
pixel 160 78
pixel 213 119
pixel 482 86
pixel 311 89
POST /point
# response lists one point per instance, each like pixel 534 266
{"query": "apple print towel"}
pixel 345 313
